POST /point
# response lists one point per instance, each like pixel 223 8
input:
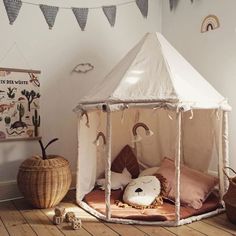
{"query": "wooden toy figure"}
pixel 59 211
pixel 76 223
pixel 57 220
pixel 70 216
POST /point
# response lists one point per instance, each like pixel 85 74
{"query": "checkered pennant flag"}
pixel 110 13
pixel 50 13
pixel 12 8
pixel 81 15
pixel 143 7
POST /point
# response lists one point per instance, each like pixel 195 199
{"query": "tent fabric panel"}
pixel 101 125
pixel 122 130
pixel 142 83
pixel 188 83
pixel 198 138
pixel 151 150
pixel 87 155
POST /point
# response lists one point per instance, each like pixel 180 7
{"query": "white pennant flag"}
pixel 143 7
pixel 110 13
pixel 50 13
pixel 81 15
pixel 12 8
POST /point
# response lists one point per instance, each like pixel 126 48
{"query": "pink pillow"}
pixel 195 186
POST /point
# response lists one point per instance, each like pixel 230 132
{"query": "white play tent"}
pixel 155 85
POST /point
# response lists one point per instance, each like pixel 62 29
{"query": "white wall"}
pixel 213 54
pixel 55 53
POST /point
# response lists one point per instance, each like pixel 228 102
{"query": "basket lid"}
pixel 35 163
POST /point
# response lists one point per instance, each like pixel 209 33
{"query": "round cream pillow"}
pixel 142 191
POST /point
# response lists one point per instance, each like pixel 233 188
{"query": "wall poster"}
pixel 19 104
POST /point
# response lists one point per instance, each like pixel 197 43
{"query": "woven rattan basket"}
pixel 230 197
pixel 44 182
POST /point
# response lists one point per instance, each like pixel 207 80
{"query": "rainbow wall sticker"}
pixel 210 22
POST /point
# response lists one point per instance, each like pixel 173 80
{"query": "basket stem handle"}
pixel 226 173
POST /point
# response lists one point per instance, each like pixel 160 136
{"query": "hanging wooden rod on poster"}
pixel 20 70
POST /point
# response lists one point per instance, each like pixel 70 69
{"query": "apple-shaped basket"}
pixel 44 180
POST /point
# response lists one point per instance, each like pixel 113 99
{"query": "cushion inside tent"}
pixel 96 200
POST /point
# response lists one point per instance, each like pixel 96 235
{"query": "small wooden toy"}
pixel 59 211
pixel 76 223
pixel 57 220
pixel 70 216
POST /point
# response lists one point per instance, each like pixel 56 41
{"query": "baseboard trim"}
pixel 9 189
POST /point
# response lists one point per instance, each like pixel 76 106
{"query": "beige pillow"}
pixel 195 186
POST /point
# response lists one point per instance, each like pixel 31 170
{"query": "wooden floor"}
pixel 17 218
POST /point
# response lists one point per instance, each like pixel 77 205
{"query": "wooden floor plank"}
pixel 154 230
pixel 221 223
pixel 37 220
pixel 126 230
pixel 184 231
pixel 66 228
pixel 98 229
pixel 207 229
pixel 14 222
pixel 3 230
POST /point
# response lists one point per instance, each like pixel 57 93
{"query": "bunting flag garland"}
pixel 143 7
pixel 81 15
pixel 50 13
pixel 12 8
pixel 173 4
pixel 110 13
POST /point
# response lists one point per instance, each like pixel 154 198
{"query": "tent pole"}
pixel 225 144
pixel 78 172
pixel 108 167
pixel 177 168
pixel 220 156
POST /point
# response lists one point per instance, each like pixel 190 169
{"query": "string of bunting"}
pixel 174 4
pixel 81 14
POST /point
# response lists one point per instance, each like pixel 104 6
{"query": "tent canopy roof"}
pixel 154 71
